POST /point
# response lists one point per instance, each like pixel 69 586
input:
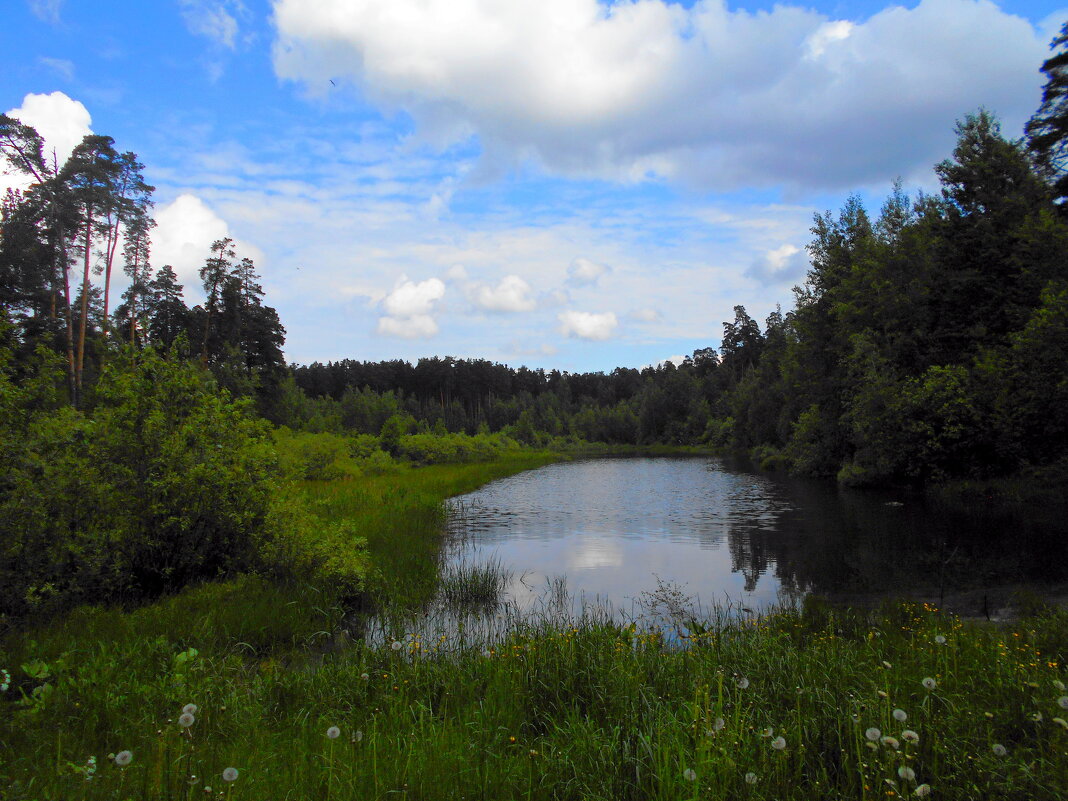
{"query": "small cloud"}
pixel 61 66
pixel 213 20
pixel 409 299
pixel 826 35
pixel 582 272
pixel 645 316
pixel 588 325
pixel 419 326
pixel 676 360
pixel 785 264
pixel 46 10
pixel 512 294
pixel 457 273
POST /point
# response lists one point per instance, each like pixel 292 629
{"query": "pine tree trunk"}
pixel 85 302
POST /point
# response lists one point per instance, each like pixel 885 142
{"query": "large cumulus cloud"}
pixel 716 97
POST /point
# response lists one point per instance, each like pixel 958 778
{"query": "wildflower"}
pixel 767 732
pixel 357 736
pixel 750 778
pixel 1037 717
pixel 123 758
pixel 365 677
pixel 998 749
pixel 929 683
pixel 940 639
pixel 190 709
pixel 186 719
pixel 873 734
pixel 900 716
pixel 890 742
pixel 718 724
pixel 395 645
pixel 333 732
pixel 743 683
pixel 5 682
pixel 207 788
pixel 689 775
pixel 778 743
pixel 906 773
pixel 909 736
pixel 1062 702
pixel 922 790
pixel 230 775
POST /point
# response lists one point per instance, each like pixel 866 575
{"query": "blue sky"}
pixel 554 183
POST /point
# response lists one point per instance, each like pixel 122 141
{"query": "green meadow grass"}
pixel 555 709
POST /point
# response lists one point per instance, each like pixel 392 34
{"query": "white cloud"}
pixel 185 229
pixel 709 95
pixel 61 121
pixel 582 272
pixel 784 264
pixel 512 294
pixel 588 325
pixel 213 19
pixel 421 326
pixel 409 299
pixel 46 10
pixel 645 316
pixel 457 273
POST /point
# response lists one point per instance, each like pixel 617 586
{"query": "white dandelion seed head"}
pixel 718 724
pixel 230 775
pixel 906 773
pixel 1062 702
pixel 186 719
pixel 929 683
pixel 779 743
pixel 395 645
pixel 207 788
pixel 909 736
pixel 189 709
pixel 767 732
pixel 123 758
pixel 1057 683
pixel 999 749
pixel 357 736
pixel 873 734
pixel 941 640
pixel 365 677
pixel 900 716
pixel 333 732
pixel 922 791
pixel 689 775
pixel 743 683
pixel 890 742
pixel 750 778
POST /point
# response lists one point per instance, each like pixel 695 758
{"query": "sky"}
pixel 566 184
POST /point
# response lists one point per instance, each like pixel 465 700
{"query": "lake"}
pixel 615 528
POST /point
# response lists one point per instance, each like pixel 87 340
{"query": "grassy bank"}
pixel 586 711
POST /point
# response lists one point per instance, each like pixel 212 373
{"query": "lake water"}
pixel 616 527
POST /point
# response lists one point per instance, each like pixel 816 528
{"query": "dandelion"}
pixel 123 758
pixel 906 773
pixel 186 719
pixel 900 716
pixel 767 732
pixel 1062 702
pixel 365 677
pixel 929 683
pixel 873 734
pixel 998 749
pixel 395 645
pixel 922 790
pixel 743 683
pixel 1059 685
pixel 890 742
pixel 189 709
pixel 750 778
pixel 333 732
pixel 207 788
pixel 940 639
pixel 689 775
pixel 230 775
pixel 778 743
pixel 909 736
pixel 718 724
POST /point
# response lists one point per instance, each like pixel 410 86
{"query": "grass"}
pixel 555 708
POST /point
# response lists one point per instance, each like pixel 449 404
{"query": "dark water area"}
pixel 616 527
